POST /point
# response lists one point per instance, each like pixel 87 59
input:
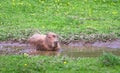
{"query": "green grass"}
pixel 87 20
pixel 54 64
pixel 21 18
pixel 108 59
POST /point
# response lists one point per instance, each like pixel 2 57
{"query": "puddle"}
pixel 88 51
pixel 71 50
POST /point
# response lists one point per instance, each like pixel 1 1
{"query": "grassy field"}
pixel 87 19
pixel 43 64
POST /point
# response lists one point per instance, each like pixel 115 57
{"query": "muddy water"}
pixel 71 50
pixel 88 51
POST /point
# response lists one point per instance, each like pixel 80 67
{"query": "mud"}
pixel 115 44
pixel 74 49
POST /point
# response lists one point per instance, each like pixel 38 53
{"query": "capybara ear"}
pixel 51 33
pixel 47 33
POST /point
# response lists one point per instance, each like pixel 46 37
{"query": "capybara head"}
pixel 52 40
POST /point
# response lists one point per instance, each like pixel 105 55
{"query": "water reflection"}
pixel 87 51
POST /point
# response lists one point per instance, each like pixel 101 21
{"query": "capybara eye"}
pixel 49 37
pixel 54 36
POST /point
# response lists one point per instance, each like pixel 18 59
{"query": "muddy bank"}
pixel 110 44
pixel 73 49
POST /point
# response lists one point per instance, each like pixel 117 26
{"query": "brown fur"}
pixel 48 42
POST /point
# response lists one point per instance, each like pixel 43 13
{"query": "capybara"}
pixel 48 42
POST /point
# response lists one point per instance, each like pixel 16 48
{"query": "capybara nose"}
pixel 56 42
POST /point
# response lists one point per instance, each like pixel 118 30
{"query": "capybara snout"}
pixel 56 43
pixel 48 42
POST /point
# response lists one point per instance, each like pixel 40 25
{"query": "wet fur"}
pixel 48 42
